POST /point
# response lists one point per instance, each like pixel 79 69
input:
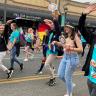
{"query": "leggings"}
pixel 48 64
pixel 2 55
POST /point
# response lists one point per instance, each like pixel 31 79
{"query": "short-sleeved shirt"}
pixel 28 38
pixel 82 39
pixel 15 35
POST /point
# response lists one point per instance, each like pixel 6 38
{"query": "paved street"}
pixel 27 83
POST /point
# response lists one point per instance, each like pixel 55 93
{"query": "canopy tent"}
pixel 21 22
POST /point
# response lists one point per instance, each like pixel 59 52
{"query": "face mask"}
pixel 1 29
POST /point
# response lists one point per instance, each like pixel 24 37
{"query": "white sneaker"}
pixel 74 85
pixel 40 72
pixel 9 74
pixel 66 95
pixel 25 59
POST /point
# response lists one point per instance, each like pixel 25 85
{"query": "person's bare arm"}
pixel 89 9
pixel 58 43
pixel 82 28
pixel 14 41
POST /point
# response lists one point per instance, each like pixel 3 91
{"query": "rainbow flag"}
pixel 42 30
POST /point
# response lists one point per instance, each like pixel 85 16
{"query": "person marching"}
pixel 54 33
pixel 45 48
pixel 3 48
pixel 14 46
pixel 70 60
pixel 90 65
pixel 29 39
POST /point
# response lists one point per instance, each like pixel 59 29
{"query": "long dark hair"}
pixel 73 33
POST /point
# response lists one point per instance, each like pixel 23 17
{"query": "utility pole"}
pixel 5 2
pixel 64 12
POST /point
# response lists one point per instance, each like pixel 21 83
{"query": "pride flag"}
pixel 42 30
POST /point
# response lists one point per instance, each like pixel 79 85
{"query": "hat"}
pixel 70 26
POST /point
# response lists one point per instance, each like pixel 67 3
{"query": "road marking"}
pixel 32 78
pixel 23 80
pixel 35 57
pixel 24 58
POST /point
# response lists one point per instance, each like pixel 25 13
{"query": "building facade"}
pixel 37 9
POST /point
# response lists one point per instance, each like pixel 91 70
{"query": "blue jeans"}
pixel 66 68
pixel 13 57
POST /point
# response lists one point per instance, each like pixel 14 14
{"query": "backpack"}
pixel 22 40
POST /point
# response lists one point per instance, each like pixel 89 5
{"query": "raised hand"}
pixel 54 42
pixel 9 21
pixel 90 9
pixel 55 15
